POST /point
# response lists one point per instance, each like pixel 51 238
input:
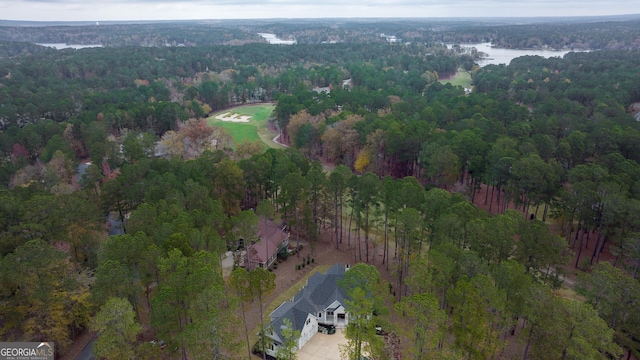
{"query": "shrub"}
pixel 585 264
pixel 283 254
pixel 297 267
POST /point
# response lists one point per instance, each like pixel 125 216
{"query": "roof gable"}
pixel 271 236
pixel 321 291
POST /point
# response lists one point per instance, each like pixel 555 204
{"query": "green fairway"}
pixel 255 129
pixel 461 78
pixel 239 131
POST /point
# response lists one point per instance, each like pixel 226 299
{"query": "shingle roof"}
pixel 297 318
pixel 271 236
pixel 319 293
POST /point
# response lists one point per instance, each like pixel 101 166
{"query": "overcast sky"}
pixel 100 10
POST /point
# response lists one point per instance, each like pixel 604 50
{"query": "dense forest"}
pixel 387 160
pixel 594 33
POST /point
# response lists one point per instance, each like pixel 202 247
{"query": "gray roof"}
pixel 319 293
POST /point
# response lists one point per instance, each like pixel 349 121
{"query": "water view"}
pixel 498 56
pixel 274 39
pixel 59 46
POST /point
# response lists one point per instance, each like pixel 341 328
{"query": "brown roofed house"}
pixel 265 252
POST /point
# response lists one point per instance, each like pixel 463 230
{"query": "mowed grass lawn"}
pixel 461 78
pixel 255 129
pixel 239 131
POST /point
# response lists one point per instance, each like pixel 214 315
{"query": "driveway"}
pixel 227 264
pixel 86 353
pixel 323 347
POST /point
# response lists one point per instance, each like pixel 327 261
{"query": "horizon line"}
pixel 339 18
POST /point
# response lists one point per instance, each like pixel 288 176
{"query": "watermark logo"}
pixel 27 351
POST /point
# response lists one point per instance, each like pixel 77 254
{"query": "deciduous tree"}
pixel 364 287
pixel 289 347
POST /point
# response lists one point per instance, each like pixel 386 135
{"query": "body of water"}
pixel 498 56
pixel 68 46
pixel 273 39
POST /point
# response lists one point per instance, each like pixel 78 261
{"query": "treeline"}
pixel 550 134
pixel 63 84
pixel 102 92
pixel 541 133
pixel 591 35
pixel 450 259
pixel 547 134
pixel 123 35
pixel 602 33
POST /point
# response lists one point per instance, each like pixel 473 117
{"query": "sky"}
pixel 102 10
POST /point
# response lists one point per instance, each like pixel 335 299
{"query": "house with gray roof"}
pixel 321 301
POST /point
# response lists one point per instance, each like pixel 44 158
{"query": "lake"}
pixel 59 46
pixel 273 39
pixel 504 56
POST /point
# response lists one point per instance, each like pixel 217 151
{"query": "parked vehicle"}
pixel 326 329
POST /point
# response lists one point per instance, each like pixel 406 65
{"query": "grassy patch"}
pixel 239 131
pixel 567 293
pixel 257 127
pixel 461 78
pixel 259 113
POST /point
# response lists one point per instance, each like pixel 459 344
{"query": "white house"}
pixel 321 301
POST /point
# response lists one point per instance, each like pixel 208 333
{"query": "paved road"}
pixel 86 354
pixel 277 141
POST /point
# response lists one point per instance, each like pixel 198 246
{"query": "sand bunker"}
pixel 233 117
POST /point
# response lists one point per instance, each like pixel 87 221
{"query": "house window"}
pixel 330 313
pixel 308 320
pixel 319 315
